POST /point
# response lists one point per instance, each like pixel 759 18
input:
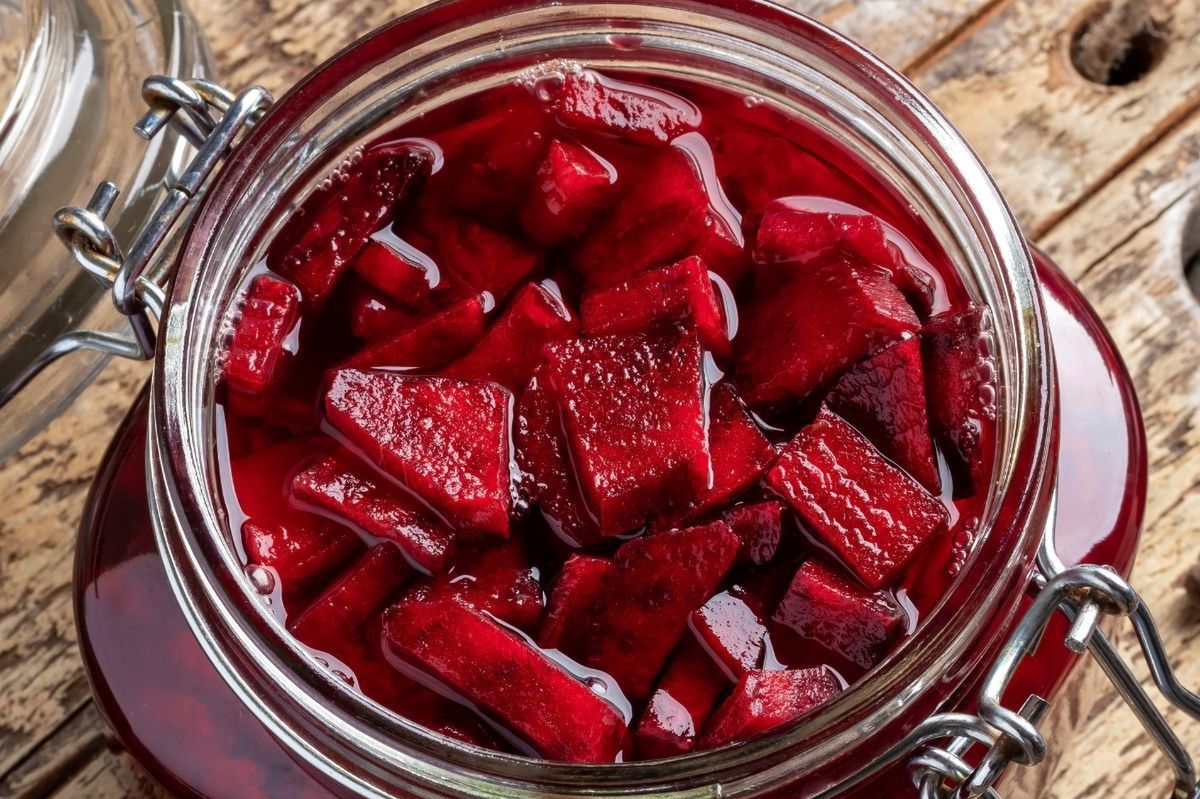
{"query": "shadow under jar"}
pixel 457 49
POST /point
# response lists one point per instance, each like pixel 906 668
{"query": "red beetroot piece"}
pixel 869 512
pixel 370 193
pixel 884 397
pixel 546 473
pixel 499 672
pixel 347 604
pixel 300 547
pixel 444 440
pixel 958 376
pixel 573 603
pixel 632 409
pixel 830 314
pixel 681 293
pixel 571 185
pixel 631 111
pixel 655 222
pixel 351 493
pixel 431 342
pixel 472 258
pixel 373 317
pixel 511 595
pixel 512 347
pixel 760 527
pixel 401 274
pixel 824 606
pixel 731 628
pixel 676 711
pixel 656 583
pixel 258 350
pixel 764 700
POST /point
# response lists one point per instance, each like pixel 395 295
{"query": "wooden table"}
pixel 1106 178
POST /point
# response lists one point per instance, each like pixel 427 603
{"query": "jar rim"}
pixel 218 604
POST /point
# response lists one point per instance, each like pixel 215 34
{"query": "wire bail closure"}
pixel 211 118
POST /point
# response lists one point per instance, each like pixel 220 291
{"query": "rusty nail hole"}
pixel 1190 253
pixel 1118 43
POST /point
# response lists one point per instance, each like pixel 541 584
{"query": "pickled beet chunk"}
pixel 398 273
pixel 572 184
pixel 841 615
pixel 685 696
pixel 301 552
pixel 374 317
pixel 573 603
pixel 760 527
pixel 371 192
pixel 444 440
pixel 432 342
pixel 546 474
pixel 656 583
pixel 830 314
pixel 631 111
pixel 655 222
pixel 764 700
pixel 884 397
pixel 512 595
pixel 512 347
pixel 681 293
pixel 347 604
pixel 472 257
pixel 258 350
pixel 867 510
pixel 506 678
pixel 351 493
pixel 632 410
pixel 731 628
pixel 959 376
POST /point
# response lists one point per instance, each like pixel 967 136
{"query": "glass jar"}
pixel 66 104
pixel 422 61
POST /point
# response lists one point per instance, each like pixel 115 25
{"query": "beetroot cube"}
pixel 372 317
pixel 760 526
pixel 959 379
pixel 832 313
pixel 347 604
pixel 430 343
pixel 444 440
pixel 500 673
pixel 676 711
pixel 403 274
pixel 258 349
pixel 656 583
pixel 509 351
pixel 731 629
pixel 372 191
pixel 656 222
pixel 632 410
pixel 572 185
pixel 572 604
pixel 824 606
pixel 869 512
pixel 353 494
pixel 547 476
pixel 884 397
pixel 513 596
pixel 632 112
pixel 679 293
pixel 472 258
pixel 764 700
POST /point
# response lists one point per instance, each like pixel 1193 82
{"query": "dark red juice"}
pixel 598 419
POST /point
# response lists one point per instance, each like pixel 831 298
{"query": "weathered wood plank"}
pixel 68 749
pixel 108 775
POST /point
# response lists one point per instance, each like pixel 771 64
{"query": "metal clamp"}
pixel 211 118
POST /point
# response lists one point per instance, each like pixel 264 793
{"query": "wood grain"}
pixel 1107 177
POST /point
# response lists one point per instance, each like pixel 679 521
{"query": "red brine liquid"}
pixel 601 419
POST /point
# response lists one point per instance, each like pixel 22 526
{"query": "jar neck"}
pixel 468 46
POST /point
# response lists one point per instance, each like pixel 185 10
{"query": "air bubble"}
pixel 753 100
pixel 261 578
pixel 343 676
pixel 597 685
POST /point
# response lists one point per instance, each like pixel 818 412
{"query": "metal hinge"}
pixel 937 749
pixel 211 118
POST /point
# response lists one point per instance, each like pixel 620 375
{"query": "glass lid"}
pixel 70 91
